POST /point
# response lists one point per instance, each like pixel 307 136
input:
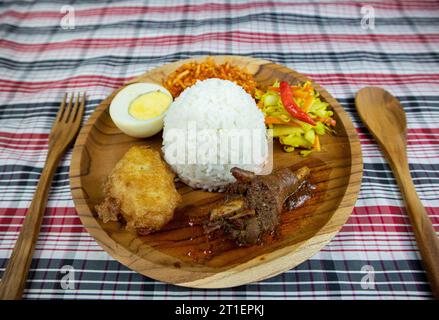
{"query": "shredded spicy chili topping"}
pixel 187 74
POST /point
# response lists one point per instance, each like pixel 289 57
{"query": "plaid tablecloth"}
pixel 48 48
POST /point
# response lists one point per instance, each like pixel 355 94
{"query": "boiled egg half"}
pixel 138 109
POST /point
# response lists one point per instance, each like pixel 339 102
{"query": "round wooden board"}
pixel 180 254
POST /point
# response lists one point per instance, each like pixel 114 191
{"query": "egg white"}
pixel 119 111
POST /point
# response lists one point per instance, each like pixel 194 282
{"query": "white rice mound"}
pixel 220 105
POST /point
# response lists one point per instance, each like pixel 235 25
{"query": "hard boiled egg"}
pixel 138 109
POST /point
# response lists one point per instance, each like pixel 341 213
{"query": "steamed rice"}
pixel 197 126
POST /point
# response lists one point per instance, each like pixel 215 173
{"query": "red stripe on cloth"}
pixel 136 10
pixel 410 136
pixel 72 229
pixel 384 223
pixel 390 210
pixel 21 212
pixel 385 220
pixel 329 249
pixel 375 228
pixel 409 142
pixel 19 135
pixel 72 82
pixel 414 136
pixel 425 130
pixel 26 141
pixel 363 130
pixel 411 139
pixel 232 36
pixel 12 219
pixel 52 221
pixel 28 138
pixel 382 215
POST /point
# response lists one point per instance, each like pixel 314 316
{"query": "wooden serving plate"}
pixel 180 253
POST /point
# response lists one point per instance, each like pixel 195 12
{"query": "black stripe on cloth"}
pixel 284 18
pixel 330 276
pixel 295 57
pixel 412 104
pixel 36 110
pixel 21 175
pixel 17 181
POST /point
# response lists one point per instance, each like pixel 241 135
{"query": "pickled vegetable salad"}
pixel 296 115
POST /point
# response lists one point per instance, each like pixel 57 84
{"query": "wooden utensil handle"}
pixel 14 278
pixel 426 237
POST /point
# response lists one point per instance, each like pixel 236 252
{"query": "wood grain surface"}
pixel 384 116
pixel 180 253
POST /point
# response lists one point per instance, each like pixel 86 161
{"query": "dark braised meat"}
pixel 253 204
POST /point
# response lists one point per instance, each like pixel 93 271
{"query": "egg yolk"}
pixel 149 105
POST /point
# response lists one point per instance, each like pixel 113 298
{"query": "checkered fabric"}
pixel 42 56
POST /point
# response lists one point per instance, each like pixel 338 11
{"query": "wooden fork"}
pixel 64 130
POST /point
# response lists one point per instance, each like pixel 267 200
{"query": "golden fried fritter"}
pixel 141 191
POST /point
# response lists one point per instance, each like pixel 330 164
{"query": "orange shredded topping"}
pixel 187 74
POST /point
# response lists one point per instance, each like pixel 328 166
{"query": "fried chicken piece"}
pixel 140 191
